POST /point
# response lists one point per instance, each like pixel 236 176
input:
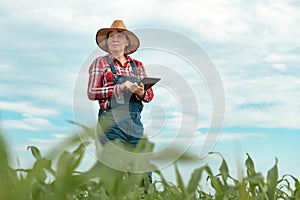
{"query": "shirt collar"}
pixel 128 58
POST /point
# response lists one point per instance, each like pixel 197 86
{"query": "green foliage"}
pixel 56 177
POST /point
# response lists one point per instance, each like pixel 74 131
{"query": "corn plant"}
pixel 55 176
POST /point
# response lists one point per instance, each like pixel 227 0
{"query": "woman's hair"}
pixel 107 35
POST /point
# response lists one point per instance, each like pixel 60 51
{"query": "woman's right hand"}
pixel 133 88
pixel 125 86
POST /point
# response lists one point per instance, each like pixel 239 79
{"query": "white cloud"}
pixel 253 23
pixel 270 101
pixel 82 17
pixel 281 61
pixel 250 31
pixel 35 120
pixel 238 136
pixel 17 124
pixel 204 141
pixel 47 143
pixel 60 136
pixel 50 84
pixel 274 57
pixel 44 141
pixel 27 123
pixel 27 109
pixel 30 117
pixel 5 68
pixel 279 66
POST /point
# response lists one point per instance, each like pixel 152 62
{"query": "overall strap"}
pixel 134 68
pixel 113 69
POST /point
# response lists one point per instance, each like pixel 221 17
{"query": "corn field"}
pixel 56 177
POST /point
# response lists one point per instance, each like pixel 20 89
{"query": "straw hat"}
pixel 118 25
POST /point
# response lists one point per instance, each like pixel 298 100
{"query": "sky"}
pixel 238 57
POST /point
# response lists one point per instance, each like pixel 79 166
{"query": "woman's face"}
pixel 117 41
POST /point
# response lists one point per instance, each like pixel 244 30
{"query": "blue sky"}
pixel 45 47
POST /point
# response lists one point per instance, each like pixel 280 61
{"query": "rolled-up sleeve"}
pixel 96 89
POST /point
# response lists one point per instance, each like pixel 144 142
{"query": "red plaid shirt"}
pixel 101 80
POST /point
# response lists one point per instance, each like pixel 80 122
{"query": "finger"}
pixel 132 88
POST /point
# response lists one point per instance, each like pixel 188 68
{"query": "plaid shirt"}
pixel 101 80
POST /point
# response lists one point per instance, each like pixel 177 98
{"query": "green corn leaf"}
pixel 297 183
pixel 243 189
pixel 144 146
pixel 78 155
pixel 255 178
pixel 217 185
pixel 8 177
pixel 163 180
pixel 194 181
pixel 127 184
pixel 296 190
pixel 35 152
pixel 250 165
pixel 272 178
pixel 224 171
pixel 180 181
pixel 102 182
pixel 87 132
pixel 3 152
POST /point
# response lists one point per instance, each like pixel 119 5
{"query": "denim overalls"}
pixel 123 120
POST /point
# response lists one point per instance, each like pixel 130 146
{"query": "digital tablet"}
pixel 149 82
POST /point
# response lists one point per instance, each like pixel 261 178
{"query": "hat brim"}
pixel 101 39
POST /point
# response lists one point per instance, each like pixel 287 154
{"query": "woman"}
pixel 114 82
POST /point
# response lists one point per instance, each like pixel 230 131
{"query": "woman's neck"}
pixel 120 57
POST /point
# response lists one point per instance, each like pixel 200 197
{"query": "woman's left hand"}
pixel 137 89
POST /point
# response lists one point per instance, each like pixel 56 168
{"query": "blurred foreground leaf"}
pixel 55 176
